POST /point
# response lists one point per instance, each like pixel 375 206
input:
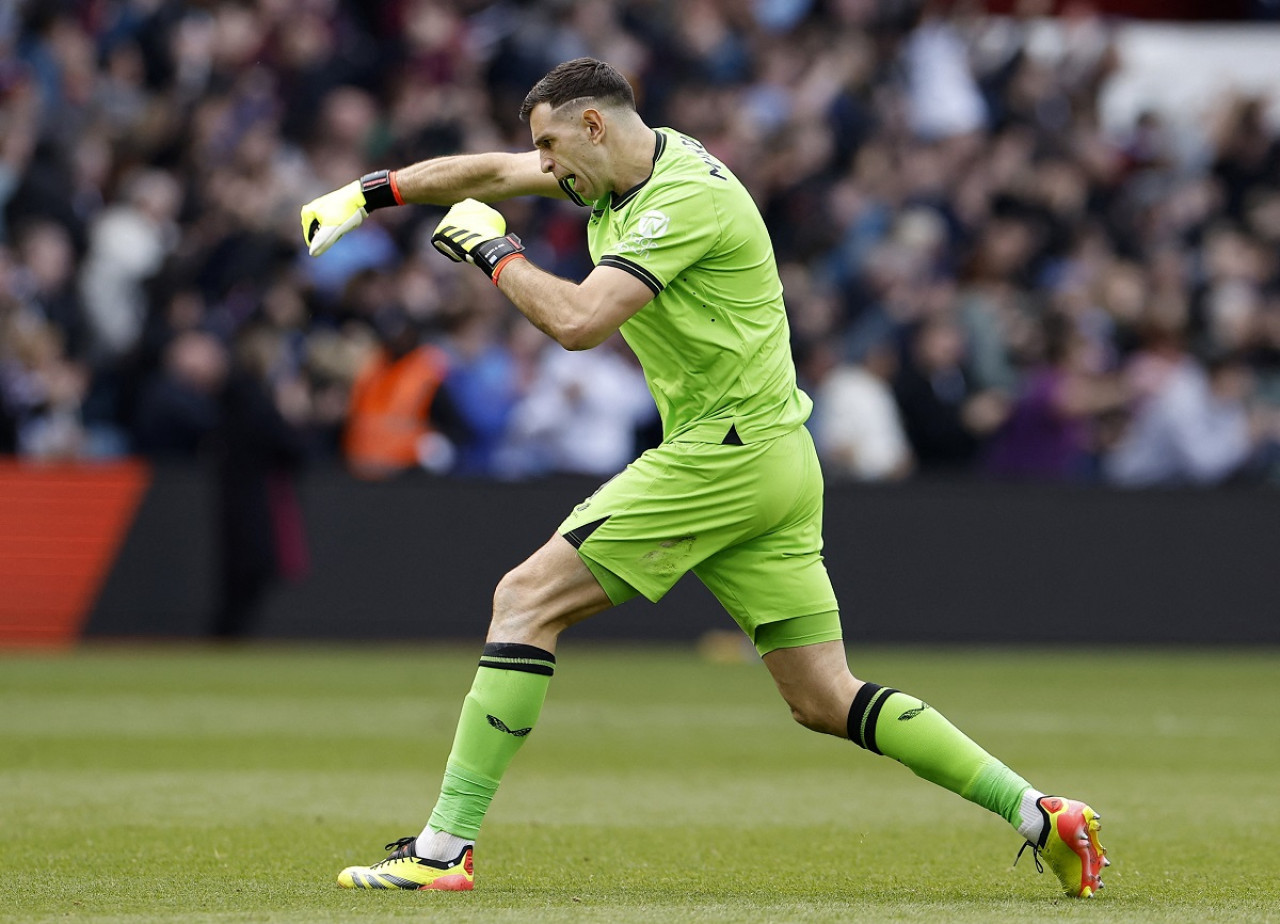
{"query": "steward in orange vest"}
pixel 389 427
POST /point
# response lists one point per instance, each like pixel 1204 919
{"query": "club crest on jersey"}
pixel 649 227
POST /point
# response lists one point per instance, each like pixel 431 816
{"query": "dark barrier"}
pixel 981 563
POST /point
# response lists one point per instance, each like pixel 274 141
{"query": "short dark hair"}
pixel 581 78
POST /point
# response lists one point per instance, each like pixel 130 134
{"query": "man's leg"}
pixel 532 605
pixel 824 696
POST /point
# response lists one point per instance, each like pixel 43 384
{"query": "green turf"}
pixel 161 784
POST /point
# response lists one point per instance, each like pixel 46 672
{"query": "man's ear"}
pixel 593 121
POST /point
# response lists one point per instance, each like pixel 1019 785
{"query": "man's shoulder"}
pixel 689 181
pixel 685 159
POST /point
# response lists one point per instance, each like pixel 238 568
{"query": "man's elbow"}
pixel 585 320
pixel 577 341
pixel 581 336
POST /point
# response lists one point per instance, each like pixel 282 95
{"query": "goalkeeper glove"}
pixel 326 219
pixel 474 232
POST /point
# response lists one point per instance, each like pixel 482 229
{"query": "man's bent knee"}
pixel 820 717
pixel 516 615
pixel 544 595
pixel 816 684
pixel 812 719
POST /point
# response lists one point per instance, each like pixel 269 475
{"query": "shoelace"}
pixel 1035 855
pixel 397 846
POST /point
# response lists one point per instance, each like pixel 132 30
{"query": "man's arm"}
pixel 576 316
pixel 440 181
pixel 486 177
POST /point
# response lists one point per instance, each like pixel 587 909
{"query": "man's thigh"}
pixel 642 530
pixel 775 577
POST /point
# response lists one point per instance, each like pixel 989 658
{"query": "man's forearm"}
pixel 578 316
pixel 487 177
pixel 553 305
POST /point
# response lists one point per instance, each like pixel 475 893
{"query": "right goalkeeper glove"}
pixel 326 219
pixel 476 233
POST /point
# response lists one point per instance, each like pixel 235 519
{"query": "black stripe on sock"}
pixel 873 716
pixel 515 650
pixel 859 708
pixel 865 712
pixel 509 656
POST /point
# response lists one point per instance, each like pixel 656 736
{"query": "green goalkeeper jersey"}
pixel 714 342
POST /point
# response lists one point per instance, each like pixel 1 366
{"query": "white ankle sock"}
pixel 1032 826
pixel 440 845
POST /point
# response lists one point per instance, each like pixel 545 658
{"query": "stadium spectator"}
pixel 1050 434
pixel 399 409
pixel 947 417
pixel 45 279
pixel 260 445
pixel 178 407
pixel 942 95
pixel 486 376
pixel 1190 425
pixel 331 360
pixel 582 413
pixel 128 243
pixel 856 424
pixel 18 129
pixel 41 391
pixel 1246 154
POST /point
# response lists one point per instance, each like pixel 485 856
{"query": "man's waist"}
pixel 737 430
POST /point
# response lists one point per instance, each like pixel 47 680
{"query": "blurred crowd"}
pixel 980 280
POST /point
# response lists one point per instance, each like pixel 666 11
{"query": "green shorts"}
pixel 746 519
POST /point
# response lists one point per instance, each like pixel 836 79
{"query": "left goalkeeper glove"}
pixel 326 219
pixel 474 232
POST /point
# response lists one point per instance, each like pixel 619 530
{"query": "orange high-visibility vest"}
pixel 390 411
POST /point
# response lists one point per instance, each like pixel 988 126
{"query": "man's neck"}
pixel 637 148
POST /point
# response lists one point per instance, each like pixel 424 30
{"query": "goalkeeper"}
pixel 684 269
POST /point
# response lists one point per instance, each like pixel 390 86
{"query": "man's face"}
pixel 564 142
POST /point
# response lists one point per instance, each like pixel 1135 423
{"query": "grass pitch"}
pixel 158 784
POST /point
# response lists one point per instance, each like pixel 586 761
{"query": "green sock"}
pixel 497 715
pixel 886 721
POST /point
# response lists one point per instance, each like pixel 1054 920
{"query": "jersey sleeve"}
pixel 667 231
